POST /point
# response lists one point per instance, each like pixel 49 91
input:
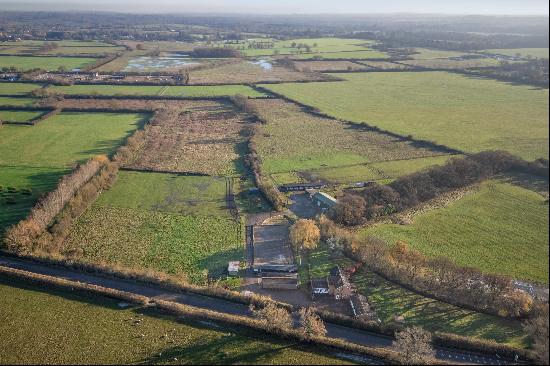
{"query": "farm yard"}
pixel 479 114
pixel 498 228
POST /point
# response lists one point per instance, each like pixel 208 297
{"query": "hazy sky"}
pixel 511 7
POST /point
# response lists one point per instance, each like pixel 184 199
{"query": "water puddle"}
pixel 264 64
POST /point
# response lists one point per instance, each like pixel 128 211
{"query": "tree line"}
pixel 358 206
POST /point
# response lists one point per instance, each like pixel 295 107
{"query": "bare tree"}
pixel 414 344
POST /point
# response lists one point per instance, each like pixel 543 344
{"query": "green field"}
pixel 17 102
pixel 25 63
pixel 318 45
pixel 52 327
pixel 464 113
pixel 17 88
pixel 20 188
pixel 169 223
pixel 523 52
pixel 383 171
pixel 168 91
pixel 390 301
pixel 34 158
pixel 19 116
pixel 293 140
pixel 427 54
pixel 360 55
pixel 500 228
pixel 65 138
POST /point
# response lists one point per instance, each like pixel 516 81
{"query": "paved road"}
pixel 220 305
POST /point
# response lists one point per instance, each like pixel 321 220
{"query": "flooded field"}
pixel 150 63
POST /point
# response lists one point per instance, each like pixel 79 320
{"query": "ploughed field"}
pixel 499 228
pixel 34 158
pixel 73 329
pixel 460 112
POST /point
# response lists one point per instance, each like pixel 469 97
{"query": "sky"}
pixel 485 7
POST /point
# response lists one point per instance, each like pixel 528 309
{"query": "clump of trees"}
pixel 414 345
pixel 216 52
pixel 304 236
pixel 411 190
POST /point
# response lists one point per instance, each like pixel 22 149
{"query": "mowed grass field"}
pixel 167 91
pixel 391 300
pixel 165 222
pixel 293 140
pixel 500 228
pixel 34 158
pixel 53 327
pixel 460 112
pixel 25 63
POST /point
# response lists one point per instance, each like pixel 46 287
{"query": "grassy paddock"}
pixel 83 135
pixel 70 329
pixel 25 63
pixel 17 102
pixel 293 140
pixel 499 228
pixel 169 91
pixel 17 88
pixel 390 301
pixel 464 113
pixel 169 223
